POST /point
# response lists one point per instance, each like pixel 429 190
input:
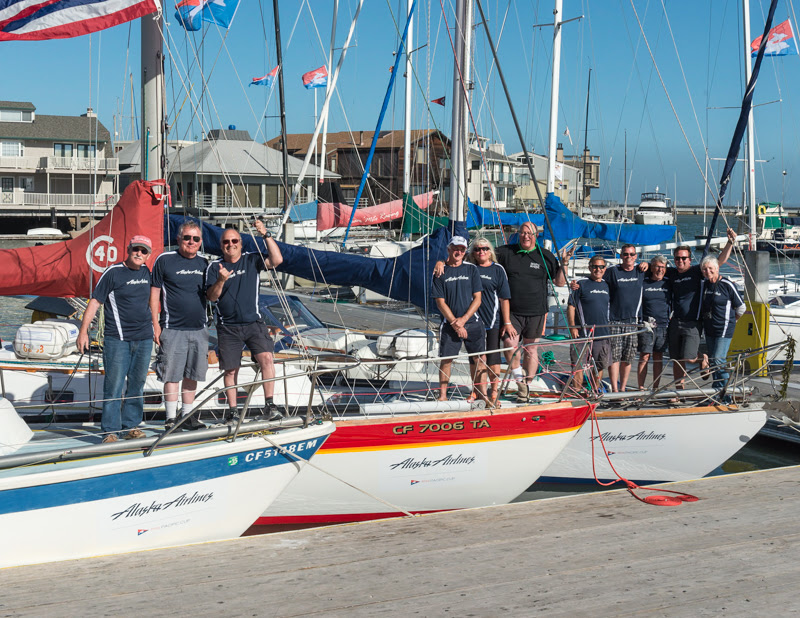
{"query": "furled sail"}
pixel 72 267
pixel 406 277
pixel 330 215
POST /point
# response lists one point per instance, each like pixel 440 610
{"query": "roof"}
pixel 298 142
pixel 235 157
pixel 131 155
pixel 232 134
pixel 23 105
pixel 84 129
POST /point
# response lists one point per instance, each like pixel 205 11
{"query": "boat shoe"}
pixel 134 434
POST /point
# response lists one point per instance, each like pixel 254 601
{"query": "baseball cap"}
pixel 141 241
pixel 458 241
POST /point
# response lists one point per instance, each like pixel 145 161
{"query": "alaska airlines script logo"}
pixel 623 437
pixel 414 464
pixel 139 510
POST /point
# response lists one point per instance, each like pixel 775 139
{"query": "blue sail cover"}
pixel 477 216
pixel 568 226
pixel 303 212
pixel 405 278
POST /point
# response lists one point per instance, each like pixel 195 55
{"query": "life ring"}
pixel 762 209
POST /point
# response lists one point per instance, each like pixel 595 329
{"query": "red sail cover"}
pixel 72 267
pixel 338 215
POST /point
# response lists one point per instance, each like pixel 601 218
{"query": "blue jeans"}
pixel 121 360
pixel 717 356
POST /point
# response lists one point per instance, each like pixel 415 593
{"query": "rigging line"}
pixel 294 25
pixel 484 98
pixel 666 92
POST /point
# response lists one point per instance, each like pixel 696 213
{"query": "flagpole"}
pixel 285 149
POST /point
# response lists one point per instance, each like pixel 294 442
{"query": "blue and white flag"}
pixel 267 80
pixel 191 13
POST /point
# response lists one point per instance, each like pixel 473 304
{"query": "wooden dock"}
pixel 735 552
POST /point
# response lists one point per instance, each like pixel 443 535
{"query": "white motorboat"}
pixel 66 495
pixel 655 209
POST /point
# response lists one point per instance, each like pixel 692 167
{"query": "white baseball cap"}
pixel 458 241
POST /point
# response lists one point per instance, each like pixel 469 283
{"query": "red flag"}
pixel 439 101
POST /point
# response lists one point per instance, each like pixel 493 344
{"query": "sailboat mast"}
pixel 327 85
pixel 750 152
pixel 582 203
pixel 551 152
pixel 285 149
pixel 459 138
pixel 409 88
pixel 153 161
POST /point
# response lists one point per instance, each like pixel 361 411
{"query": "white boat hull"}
pixel 654 218
pixel 425 463
pixel 121 503
pixel 656 445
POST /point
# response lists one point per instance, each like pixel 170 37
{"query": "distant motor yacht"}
pixel 655 209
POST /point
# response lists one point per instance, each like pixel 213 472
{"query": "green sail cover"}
pixel 417 221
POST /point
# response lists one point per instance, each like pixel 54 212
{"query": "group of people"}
pixel 490 300
pixel 169 307
pixel 681 303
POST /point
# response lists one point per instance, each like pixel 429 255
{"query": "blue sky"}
pixel 66 76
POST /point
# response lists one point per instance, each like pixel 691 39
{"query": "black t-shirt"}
pixel 238 303
pixel 183 290
pixel 456 286
pixel 125 295
pixel 529 274
pixel 495 287
pixel 591 301
pixel 626 292
pixel 718 307
pixel 685 288
pixel 656 301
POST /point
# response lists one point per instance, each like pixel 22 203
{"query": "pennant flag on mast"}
pixel 23 20
pixel 267 80
pixel 439 101
pixel 191 13
pixel 318 78
pixel 780 42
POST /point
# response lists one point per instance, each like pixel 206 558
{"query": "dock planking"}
pixel 734 552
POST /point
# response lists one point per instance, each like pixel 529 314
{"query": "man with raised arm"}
pixel 233 283
pixel 531 269
pixel 178 308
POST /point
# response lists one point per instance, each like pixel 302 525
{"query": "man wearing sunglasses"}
pixel 684 327
pixel 124 289
pixel 233 284
pixel 179 328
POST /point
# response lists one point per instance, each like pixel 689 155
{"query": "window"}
pixel 15 115
pixel 501 194
pixel 62 150
pixel 11 149
pixel 476 164
pixel 86 151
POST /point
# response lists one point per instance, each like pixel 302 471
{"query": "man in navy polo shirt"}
pixel 458 295
pixel 233 283
pixel 124 289
pixel 179 290
pixel 588 315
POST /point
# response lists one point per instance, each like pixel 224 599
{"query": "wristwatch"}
pixel 267 234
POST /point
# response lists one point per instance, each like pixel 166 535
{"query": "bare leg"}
pixel 657 367
pixel 264 360
pixel 229 379
pixel 171 391
pixel 493 381
pixel 531 362
pixel 613 374
pixel 624 374
pixel 477 370
pixel 188 388
pixel 641 372
pixel 444 378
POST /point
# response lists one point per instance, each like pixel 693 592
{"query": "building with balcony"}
pixel 570 185
pixel 494 179
pixel 54 165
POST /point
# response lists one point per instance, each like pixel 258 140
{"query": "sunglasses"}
pixel 142 250
pixel 681 257
pixel 480 249
pixel 187 238
pixel 230 241
pixel 627 254
pixel 597 266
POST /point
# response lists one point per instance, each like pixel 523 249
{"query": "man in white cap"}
pixel 458 296
pixel 125 290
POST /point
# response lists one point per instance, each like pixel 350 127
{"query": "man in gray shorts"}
pixel 233 283
pixel 179 328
